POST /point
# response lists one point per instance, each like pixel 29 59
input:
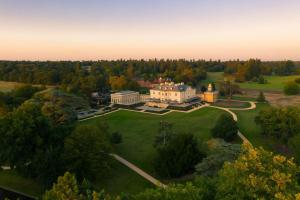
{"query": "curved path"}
pixel 235 118
pixel 138 171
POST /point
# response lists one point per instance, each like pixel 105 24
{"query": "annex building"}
pixel 172 92
pixel 125 97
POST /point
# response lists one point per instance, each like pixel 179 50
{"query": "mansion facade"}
pixel 172 92
pixel 164 94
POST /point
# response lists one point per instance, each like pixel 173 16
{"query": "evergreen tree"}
pixel 261 97
pixel 225 128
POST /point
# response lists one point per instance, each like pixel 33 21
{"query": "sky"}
pixel 136 29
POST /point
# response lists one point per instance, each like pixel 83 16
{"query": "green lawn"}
pixel 139 130
pixel 275 83
pixel 231 104
pixel 252 131
pixel 121 179
pixel 11 179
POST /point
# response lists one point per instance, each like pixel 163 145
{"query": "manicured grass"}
pixel 251 130
pixel 275 83
pixel 239 97
pixel 231 104
pixel 121 179
pixel 139 130
pixel 10 179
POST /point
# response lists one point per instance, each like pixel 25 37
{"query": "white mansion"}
pixel 164 94
pixel 171 92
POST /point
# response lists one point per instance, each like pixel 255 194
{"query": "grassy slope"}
pixel 139 129
pixel 11 179
pixel 249 128
pixel 122 179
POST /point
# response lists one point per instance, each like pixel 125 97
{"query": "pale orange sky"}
pixel 264 29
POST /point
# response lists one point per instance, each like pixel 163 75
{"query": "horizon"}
pixel 65 30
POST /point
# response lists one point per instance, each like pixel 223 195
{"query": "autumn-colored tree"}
pixel 259 174
pixel 281 123
pixel 117 82
pixel 67 188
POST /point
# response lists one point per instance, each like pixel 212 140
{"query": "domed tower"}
pixel 210 95
pixel 210 88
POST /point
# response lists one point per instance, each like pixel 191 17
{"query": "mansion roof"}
pixel 171 86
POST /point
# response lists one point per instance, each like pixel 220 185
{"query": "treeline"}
pixel 89 76
pixel 254 69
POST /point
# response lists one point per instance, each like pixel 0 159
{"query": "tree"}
pixel 201 189
pixel 67 188
pixel 280 123
pixel 258 174
pixel 294 146
pixel 228 89
pixel 261 80
pixel 116 138
pixel 291 88
pixel 31 144
pixel 178 156
pixel 118 82
pixel 218 154
pixel 285 68
pixel 261 97
pixel 165 134
pixel 87 152
pixel 225 128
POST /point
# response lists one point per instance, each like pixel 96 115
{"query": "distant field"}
pixel 6 86
pixel 213 77
pixel 275 83
pixel 139 130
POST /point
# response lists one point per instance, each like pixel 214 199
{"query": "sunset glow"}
pixel 208 29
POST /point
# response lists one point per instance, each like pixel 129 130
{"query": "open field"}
pixel 11 179
pixel 213 77
pixel 275 83
pixel 6 86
